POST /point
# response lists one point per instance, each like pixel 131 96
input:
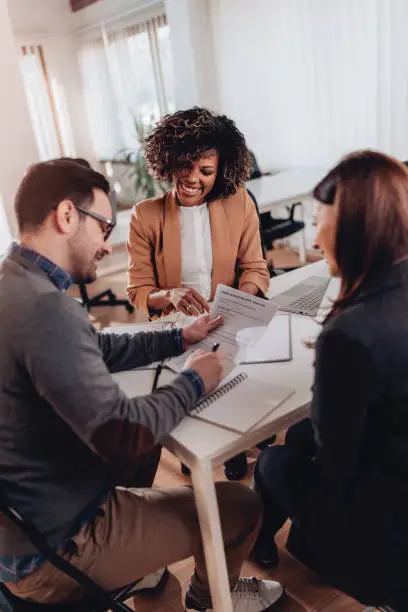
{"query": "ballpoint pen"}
pixel 156 376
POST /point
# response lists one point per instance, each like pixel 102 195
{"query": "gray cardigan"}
pixel 67 431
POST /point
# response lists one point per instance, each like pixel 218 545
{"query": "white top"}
pixel 196 249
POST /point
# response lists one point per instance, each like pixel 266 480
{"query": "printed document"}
pixel 245 319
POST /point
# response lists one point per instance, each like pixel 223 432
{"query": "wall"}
pixel 193 53
pixel 39 16
pixel 50 24
pixel 256 86
pixel 310 80
pixel 16 134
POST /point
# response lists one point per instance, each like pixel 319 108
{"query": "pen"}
pixel 215 347
pixel 156 376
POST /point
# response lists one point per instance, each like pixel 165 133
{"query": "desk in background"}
pixel 202 446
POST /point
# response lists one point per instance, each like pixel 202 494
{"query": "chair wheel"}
pixel 185 470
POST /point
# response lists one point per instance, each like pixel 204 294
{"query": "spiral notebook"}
pixel 240 402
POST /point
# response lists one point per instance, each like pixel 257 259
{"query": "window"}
pixel 127 75
pixel 5 234
pixel 41 103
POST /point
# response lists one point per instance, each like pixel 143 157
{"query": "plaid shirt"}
pixel 57 275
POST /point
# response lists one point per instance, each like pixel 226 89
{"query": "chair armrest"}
pixel 292 209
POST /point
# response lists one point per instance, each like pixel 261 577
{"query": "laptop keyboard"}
pixel 307 304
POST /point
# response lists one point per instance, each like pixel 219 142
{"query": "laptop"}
pixel 305 297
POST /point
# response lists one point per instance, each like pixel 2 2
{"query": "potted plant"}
pixel 138 177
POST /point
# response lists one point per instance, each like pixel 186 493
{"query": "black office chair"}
pixel 94 598
pixel 271 269
pixel 273 228
pixel 105 298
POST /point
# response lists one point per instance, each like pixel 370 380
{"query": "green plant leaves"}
pixel 143 184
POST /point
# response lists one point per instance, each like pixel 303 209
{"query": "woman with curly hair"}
pixel 205 230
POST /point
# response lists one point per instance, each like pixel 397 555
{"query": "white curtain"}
pixel 40 103
pixel 126 74
pixel 5 235
pixel 100 100
pixel 310 80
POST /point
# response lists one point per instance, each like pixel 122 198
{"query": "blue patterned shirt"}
pixel 57 275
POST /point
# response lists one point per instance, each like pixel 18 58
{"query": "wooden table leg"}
pixel 209 517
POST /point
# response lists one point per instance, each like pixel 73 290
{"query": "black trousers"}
pixel 284 476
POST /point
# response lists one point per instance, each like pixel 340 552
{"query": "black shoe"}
pixel 266 553
pixel 266 442
pixel 185 470
pixel 236 468
pixel 190 604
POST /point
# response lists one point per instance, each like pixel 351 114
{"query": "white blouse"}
pixel 196 249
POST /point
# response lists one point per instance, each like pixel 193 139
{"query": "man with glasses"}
pixel 74 449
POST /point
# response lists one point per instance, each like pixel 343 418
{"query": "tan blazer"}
pixel 154 246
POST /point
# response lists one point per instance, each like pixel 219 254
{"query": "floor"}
pixel 304 592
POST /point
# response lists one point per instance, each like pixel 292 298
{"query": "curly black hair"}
pixel 182 138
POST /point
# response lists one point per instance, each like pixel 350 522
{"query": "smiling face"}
pixel 193 184
pixel 88 245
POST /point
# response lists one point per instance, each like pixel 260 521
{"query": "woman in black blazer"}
pixel 342 475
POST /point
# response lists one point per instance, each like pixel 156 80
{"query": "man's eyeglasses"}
pixel 105 224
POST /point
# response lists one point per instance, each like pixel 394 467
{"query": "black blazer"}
pixel 353 527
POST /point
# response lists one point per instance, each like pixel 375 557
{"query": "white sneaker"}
pixel 249 595
pixel 153 584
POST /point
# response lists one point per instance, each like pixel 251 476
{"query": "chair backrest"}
pixel 270 264
pixel 253 198
pixel 93 592
pixel 255 170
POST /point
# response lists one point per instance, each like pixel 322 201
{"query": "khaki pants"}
pixel 137 531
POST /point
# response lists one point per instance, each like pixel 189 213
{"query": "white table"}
pixel 283 189
pixel 201 446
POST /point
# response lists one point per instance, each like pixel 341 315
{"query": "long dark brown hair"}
pixel 370 191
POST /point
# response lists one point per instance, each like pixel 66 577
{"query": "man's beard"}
pixel 83 270
pixel 83 275
pixel 85 279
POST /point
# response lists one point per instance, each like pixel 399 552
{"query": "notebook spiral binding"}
pixel 210 399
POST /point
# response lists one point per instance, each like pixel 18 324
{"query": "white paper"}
pixel 275 343
pixel 244 405
pixel 245 320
